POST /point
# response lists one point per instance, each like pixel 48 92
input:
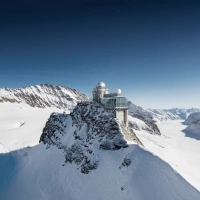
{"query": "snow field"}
pixel 21 125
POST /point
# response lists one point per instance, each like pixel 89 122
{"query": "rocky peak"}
pixel 83 134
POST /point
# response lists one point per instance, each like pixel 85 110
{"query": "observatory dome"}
pixel 101 84
pixel 119 91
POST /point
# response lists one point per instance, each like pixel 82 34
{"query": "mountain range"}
pixel 43 96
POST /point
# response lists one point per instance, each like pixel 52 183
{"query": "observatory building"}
pixel 114 101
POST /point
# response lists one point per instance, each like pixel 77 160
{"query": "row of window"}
pixel 114 102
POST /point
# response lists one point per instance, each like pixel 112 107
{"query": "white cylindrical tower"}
pixel 99 91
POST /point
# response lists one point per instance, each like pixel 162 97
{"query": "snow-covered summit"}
pixel 44 95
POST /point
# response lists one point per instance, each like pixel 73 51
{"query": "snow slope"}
pixel 21 125
pixel 181 152
pixel 38 173
pixel 78 158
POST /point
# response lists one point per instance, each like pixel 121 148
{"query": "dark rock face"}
pixel 43 96
pixel 89 129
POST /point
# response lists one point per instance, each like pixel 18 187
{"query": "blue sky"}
pixel 151 50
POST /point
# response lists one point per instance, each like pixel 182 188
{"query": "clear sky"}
pixel 149 49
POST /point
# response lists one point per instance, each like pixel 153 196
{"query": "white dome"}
pixel 119 91
pixel 101 84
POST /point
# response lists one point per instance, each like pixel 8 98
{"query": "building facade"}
pixel 114 101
